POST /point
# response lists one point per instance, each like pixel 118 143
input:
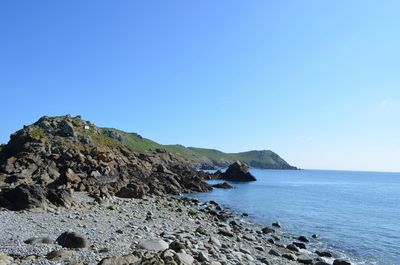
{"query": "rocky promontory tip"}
pixel 238 172
pixel 44 161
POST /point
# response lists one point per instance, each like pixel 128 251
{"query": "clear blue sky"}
pixel 316 81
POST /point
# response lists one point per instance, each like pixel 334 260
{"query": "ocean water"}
pixel 356 214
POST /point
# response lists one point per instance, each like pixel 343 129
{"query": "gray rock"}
pixel 59 254
pixel 292 248
pixel 38 240
pixel 274 253
pixel 203 256
pixel 185 258
pixel 277 224
pixel 304 259
pixel 153 244
pixel 225 232
pixel 289 256
pixel 215 241
pixel 260 248
pixel 245 250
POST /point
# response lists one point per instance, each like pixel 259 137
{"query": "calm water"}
pixel 357 213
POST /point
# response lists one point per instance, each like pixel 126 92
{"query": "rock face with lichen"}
pixel 44 162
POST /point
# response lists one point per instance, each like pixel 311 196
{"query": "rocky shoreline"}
pixel 74 193
pixel 151 230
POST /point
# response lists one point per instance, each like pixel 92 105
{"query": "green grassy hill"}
pixel 201 156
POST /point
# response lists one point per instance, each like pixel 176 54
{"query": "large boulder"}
pixel 23 197
pixel 71 240
pixel 60 197
pixel 133 191
pixel 341 262
pixel 238 172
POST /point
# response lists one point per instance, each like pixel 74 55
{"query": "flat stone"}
pixel 245 251
pixel 153 244
pixel 59 254
pixel 304 259
pixel 215 241
pixel 120 260
pixel 5 259
pixel 185 258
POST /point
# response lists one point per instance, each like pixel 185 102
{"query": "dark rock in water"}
pixel 321 263
pixel 271 241
pixel 277 224
pixel 341 262
pixel 224 185
pixel 238 172
pixel 315 236
pixel 292 248
pixel 326 254
pixel 300 245
pixel 304 259
pixel 267 230
pixel 71 240
pixel 23 197
pixel 214 203
pixel 303 239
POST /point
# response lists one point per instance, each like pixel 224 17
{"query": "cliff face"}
pixel 68 153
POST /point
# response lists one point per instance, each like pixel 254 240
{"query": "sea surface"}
pixel 356 214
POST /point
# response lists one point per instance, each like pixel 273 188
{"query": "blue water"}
pixel 356 214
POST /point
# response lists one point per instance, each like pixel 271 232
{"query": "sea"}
pixel 356 214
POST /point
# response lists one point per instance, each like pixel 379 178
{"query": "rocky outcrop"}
pixel 237 172
pixel 223 185
pixel 44 161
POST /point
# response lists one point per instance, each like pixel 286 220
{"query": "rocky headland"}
pixel 74 193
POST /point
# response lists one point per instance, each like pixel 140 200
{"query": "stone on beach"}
pixel 71 240
pixel 153 244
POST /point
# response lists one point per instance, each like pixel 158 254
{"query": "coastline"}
pixel 205 233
